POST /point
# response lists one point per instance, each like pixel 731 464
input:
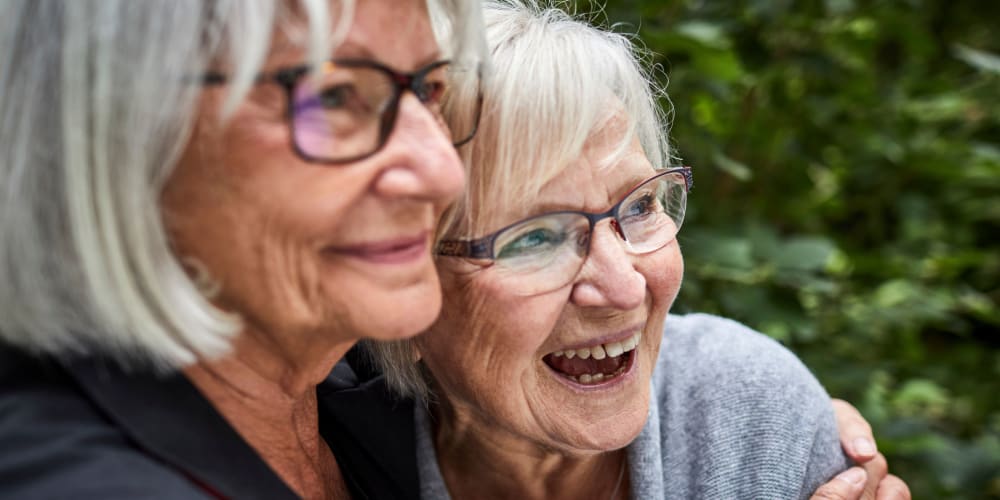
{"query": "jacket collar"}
pixel 167 417
pixel 370 430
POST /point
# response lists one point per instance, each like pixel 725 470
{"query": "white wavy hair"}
pixel 97 100
pixel 554 81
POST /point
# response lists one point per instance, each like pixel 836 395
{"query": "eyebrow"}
pixel 615 197
pixel 286 55
pixel 351 50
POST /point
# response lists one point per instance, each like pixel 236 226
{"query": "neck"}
pixel 481 461
pixel 269 397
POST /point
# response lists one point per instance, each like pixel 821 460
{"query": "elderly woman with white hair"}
pixel 554 370
pixel 203 205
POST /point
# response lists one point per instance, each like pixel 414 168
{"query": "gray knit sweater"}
pixel 734 416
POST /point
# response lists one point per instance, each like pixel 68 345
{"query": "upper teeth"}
pixel 602 351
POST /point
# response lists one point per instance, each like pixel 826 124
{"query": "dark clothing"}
pixel 371 433
pixel 88 429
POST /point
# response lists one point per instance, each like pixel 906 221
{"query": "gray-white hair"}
pixel 97 101
pixel 555 80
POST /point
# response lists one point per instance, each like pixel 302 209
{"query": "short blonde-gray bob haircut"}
pixel 97 100
pixel 555 80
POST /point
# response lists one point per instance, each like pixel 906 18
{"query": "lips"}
pixel 388 251
pixel 596 364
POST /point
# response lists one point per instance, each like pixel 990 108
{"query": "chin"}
pixel 602 431
pixel 607 437
pixel 404 313
pixel 624 430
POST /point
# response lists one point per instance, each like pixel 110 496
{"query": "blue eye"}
pixel 640 207
pixel 532 242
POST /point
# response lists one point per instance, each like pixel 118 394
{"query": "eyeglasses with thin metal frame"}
pixel 546 251
pixel 347 113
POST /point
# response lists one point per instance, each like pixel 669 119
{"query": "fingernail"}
pixel 854 476
pixel 864 447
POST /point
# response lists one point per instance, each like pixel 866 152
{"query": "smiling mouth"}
pixel 597 364
pixel 395 251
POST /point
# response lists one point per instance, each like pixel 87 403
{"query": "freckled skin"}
pixel 486 349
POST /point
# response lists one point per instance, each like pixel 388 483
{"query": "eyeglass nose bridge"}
pixel 593 219
pixel 402 82
pixel 414 82
pixel 406 82
pixel 588 238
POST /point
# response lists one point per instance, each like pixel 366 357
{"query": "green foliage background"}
pixel 847 203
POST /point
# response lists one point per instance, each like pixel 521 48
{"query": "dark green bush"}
pixel 847 203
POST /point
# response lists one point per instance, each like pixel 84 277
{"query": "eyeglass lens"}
pixel 546 252
pixel 347 111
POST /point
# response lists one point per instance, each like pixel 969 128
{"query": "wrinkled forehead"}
pixel 380 30
pixel 541 175
pixel 363 29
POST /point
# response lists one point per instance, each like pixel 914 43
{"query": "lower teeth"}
pixel 587 378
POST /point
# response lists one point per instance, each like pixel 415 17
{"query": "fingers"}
pixel 848 485
pixel 859 443
pixel 893 488
pixel 876 470
pixel 855 434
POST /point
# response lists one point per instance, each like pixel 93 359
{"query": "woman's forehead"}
pixel 412 44
pixel 599 177
pixel 603 172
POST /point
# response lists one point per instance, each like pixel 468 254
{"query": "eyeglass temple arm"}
pixel 473 249
pixel 688 176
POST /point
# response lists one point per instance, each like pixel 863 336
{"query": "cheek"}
pixel 484 337
pixel 217 191
pixel 664 271
pixel 205 208
pixel 243 206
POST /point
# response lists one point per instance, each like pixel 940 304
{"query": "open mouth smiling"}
pixel 598 364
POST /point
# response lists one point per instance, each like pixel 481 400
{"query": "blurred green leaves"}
pixel 847 156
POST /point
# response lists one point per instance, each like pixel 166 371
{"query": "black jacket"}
pixel 88 429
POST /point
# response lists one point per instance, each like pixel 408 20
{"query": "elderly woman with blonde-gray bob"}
pixel 203 205
pixel 555 370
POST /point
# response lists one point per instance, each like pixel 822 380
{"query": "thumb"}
pixel 847 485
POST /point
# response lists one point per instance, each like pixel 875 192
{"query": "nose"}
pixel 608 277
pixel 420 161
